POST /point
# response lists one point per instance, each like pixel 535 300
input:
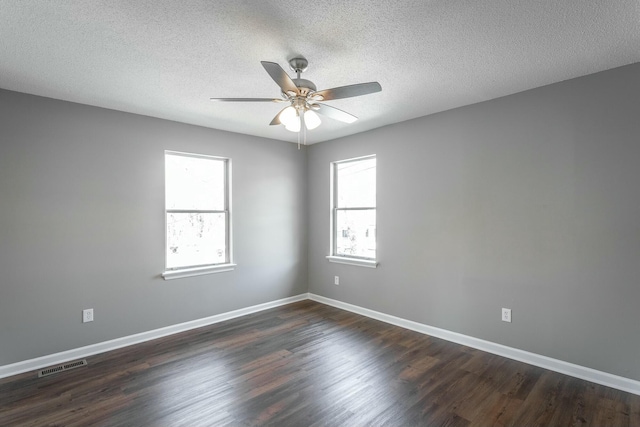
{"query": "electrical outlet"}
pixel 506 315
pixel 87 315
pixel 336 280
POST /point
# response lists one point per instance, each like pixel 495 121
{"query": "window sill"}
pixel 198 271
pixel 353 261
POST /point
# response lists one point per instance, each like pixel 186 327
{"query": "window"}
pixel 353 213
pixel 197 213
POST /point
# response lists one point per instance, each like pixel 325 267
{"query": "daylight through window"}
pixel 354 208
pixel 197 210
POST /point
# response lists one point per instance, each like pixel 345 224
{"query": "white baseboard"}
pixel 79 353
pixel 582 372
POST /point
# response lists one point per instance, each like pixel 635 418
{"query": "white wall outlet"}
pixel 506 315
pixel 336 280
pixel 87 315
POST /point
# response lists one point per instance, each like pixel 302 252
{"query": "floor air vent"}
pixel 60 368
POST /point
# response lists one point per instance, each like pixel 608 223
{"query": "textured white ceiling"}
pixel 166 58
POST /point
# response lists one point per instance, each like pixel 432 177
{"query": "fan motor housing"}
pixel 305 86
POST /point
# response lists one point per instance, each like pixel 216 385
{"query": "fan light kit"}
pixel 304 107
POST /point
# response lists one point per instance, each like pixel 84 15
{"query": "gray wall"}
pixel 82 225
pixel 530 202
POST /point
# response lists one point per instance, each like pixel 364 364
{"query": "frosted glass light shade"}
pixel 289 118
pixel 293 126
pixel 311 119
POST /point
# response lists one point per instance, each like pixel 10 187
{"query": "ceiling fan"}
pixel 303 98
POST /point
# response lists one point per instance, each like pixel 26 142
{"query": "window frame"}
pixel 333 244
pixel 197 270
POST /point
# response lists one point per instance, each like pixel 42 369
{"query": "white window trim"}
pixel 341 259
pixel 353 261
pixel 197 271
pixel 190 271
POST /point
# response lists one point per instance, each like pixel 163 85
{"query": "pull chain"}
pixel 303 129
pixel 300 117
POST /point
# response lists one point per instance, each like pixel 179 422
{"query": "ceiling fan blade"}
pixel 248 99
pixel 334 113
pixel 348 91
pixel 280 77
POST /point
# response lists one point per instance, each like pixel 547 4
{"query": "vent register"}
pixel 61 368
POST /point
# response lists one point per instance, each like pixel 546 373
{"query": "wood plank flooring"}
pixel 308 364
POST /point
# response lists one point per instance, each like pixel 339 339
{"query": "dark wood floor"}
pixel 308 364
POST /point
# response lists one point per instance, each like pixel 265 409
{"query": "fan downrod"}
pixel 299 64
